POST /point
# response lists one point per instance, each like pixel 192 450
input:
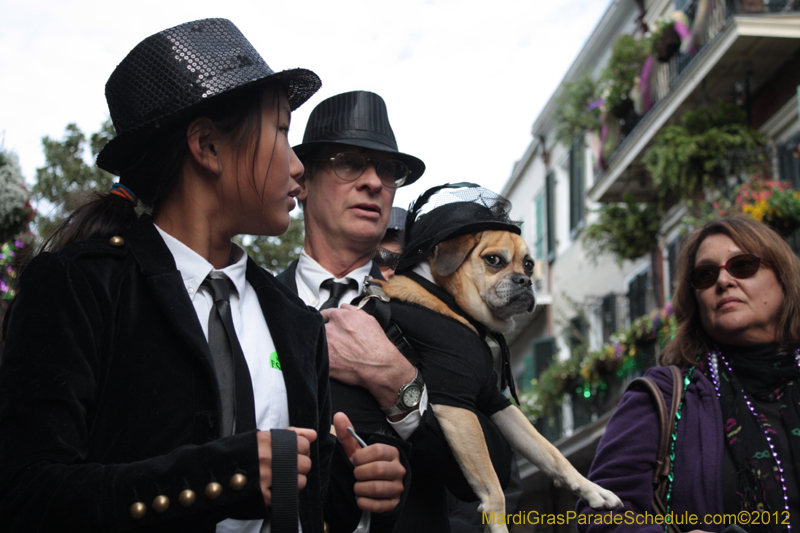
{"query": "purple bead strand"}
pixel 713 358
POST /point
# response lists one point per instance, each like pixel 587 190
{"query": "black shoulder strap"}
pixel 666 421
pixel 376 303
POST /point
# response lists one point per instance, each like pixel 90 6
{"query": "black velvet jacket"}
pixel 108 395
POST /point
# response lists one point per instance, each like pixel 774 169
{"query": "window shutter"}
pixel 550 185
pixel 577 186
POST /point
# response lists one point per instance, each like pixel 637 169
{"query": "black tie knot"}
pixel 220 288
pixel 337 290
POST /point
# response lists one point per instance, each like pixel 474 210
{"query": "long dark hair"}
pixel 159 167
pixel 691 339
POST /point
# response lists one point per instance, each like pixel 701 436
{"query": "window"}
pixel 608 309
pixel 637 295
pixel 673 251
pixel 542 352
pixel 577 185
pixel 788 164
pixel 550 200
pixel 538 240
pixel 577 335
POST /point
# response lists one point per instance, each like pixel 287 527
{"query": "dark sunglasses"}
pixel 349 166
pixel 740 267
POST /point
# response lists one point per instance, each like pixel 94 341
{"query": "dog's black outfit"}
pixel 434 469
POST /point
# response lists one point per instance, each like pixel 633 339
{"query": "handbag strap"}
pixel 666 421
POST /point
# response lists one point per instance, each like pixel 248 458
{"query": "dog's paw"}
pixel 598 497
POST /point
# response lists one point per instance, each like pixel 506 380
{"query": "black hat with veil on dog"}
pixel 449 211
pixel 446 212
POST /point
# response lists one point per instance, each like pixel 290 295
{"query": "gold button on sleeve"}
pixel 187 497
pixel 116 240
pixel 138 510
pixel 238 482
pixel 160 503
pixel 213 490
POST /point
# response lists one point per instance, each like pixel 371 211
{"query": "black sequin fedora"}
pixel 357 118
pixel 178 70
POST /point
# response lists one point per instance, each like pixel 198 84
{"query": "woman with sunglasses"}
pixel 151 369
pixel 737 440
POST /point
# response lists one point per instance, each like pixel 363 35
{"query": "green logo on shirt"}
pixel 273 361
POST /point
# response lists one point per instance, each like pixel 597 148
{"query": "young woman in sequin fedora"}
pixel 150 369
pixel 736 443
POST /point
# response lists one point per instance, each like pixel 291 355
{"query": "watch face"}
pixel 411 396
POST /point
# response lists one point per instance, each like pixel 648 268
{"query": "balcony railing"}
pixel 667 74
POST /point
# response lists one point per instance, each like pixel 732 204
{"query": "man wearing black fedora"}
pixel 352 169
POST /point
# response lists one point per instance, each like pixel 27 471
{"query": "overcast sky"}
pixel 463 79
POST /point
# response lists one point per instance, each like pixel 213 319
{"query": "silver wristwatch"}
pixel 408 399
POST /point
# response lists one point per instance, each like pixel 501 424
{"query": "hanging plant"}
pixel 775 203
pixel 688 157
pixel 628 230
pixel 577 109
pixel 667 36
pixel 619 77
pixel 590 375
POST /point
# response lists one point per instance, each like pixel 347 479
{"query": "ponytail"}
pixel 158 169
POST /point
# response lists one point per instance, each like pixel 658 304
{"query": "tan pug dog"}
pixel 488 274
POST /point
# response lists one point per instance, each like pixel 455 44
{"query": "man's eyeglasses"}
pixel 740 267
pixel 349 166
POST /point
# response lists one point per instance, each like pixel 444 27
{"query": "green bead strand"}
pixel 673 438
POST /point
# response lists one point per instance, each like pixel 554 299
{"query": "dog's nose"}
pixel 521 279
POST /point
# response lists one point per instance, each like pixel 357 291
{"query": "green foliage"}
pixel 275 253
pixel 686 158
pixel 66 173
pixel 627 58
pixel 572 114
pixel 590 376
pixel 628 229
pixel 67 179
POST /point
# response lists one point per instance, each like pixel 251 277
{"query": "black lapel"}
pixel 289 276
pixel 169 292
pixel 295 332
pixel 375 271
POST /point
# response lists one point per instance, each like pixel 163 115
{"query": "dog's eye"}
pixel 528 266
pixel 493 260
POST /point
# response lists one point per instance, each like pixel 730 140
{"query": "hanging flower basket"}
pixel 667 45
pixel 772 202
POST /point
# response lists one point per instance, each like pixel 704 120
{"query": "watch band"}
pixel 400 408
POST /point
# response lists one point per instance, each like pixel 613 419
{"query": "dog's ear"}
pixel 448 255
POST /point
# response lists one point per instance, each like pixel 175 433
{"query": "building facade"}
pixel 743 52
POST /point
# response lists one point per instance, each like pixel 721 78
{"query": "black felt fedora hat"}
pixel 179 70
pixel 357 118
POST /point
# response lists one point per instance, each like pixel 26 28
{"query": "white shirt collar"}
pixel 424 270
pixel 194 268
pixel 312 274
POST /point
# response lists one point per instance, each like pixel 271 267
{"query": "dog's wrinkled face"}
pixel 489 275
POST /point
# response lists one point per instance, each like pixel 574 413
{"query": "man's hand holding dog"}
pixel 361 354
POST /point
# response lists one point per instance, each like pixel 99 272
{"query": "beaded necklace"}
pixel 713 358
pixel 673 438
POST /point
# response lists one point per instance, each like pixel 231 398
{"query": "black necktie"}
pixel 337 290
pixel 233 376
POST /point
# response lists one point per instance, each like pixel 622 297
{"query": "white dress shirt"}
pixel 263 362
pixel 308 277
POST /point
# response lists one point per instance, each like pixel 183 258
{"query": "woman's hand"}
pixel 379 474
pixel 305 437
